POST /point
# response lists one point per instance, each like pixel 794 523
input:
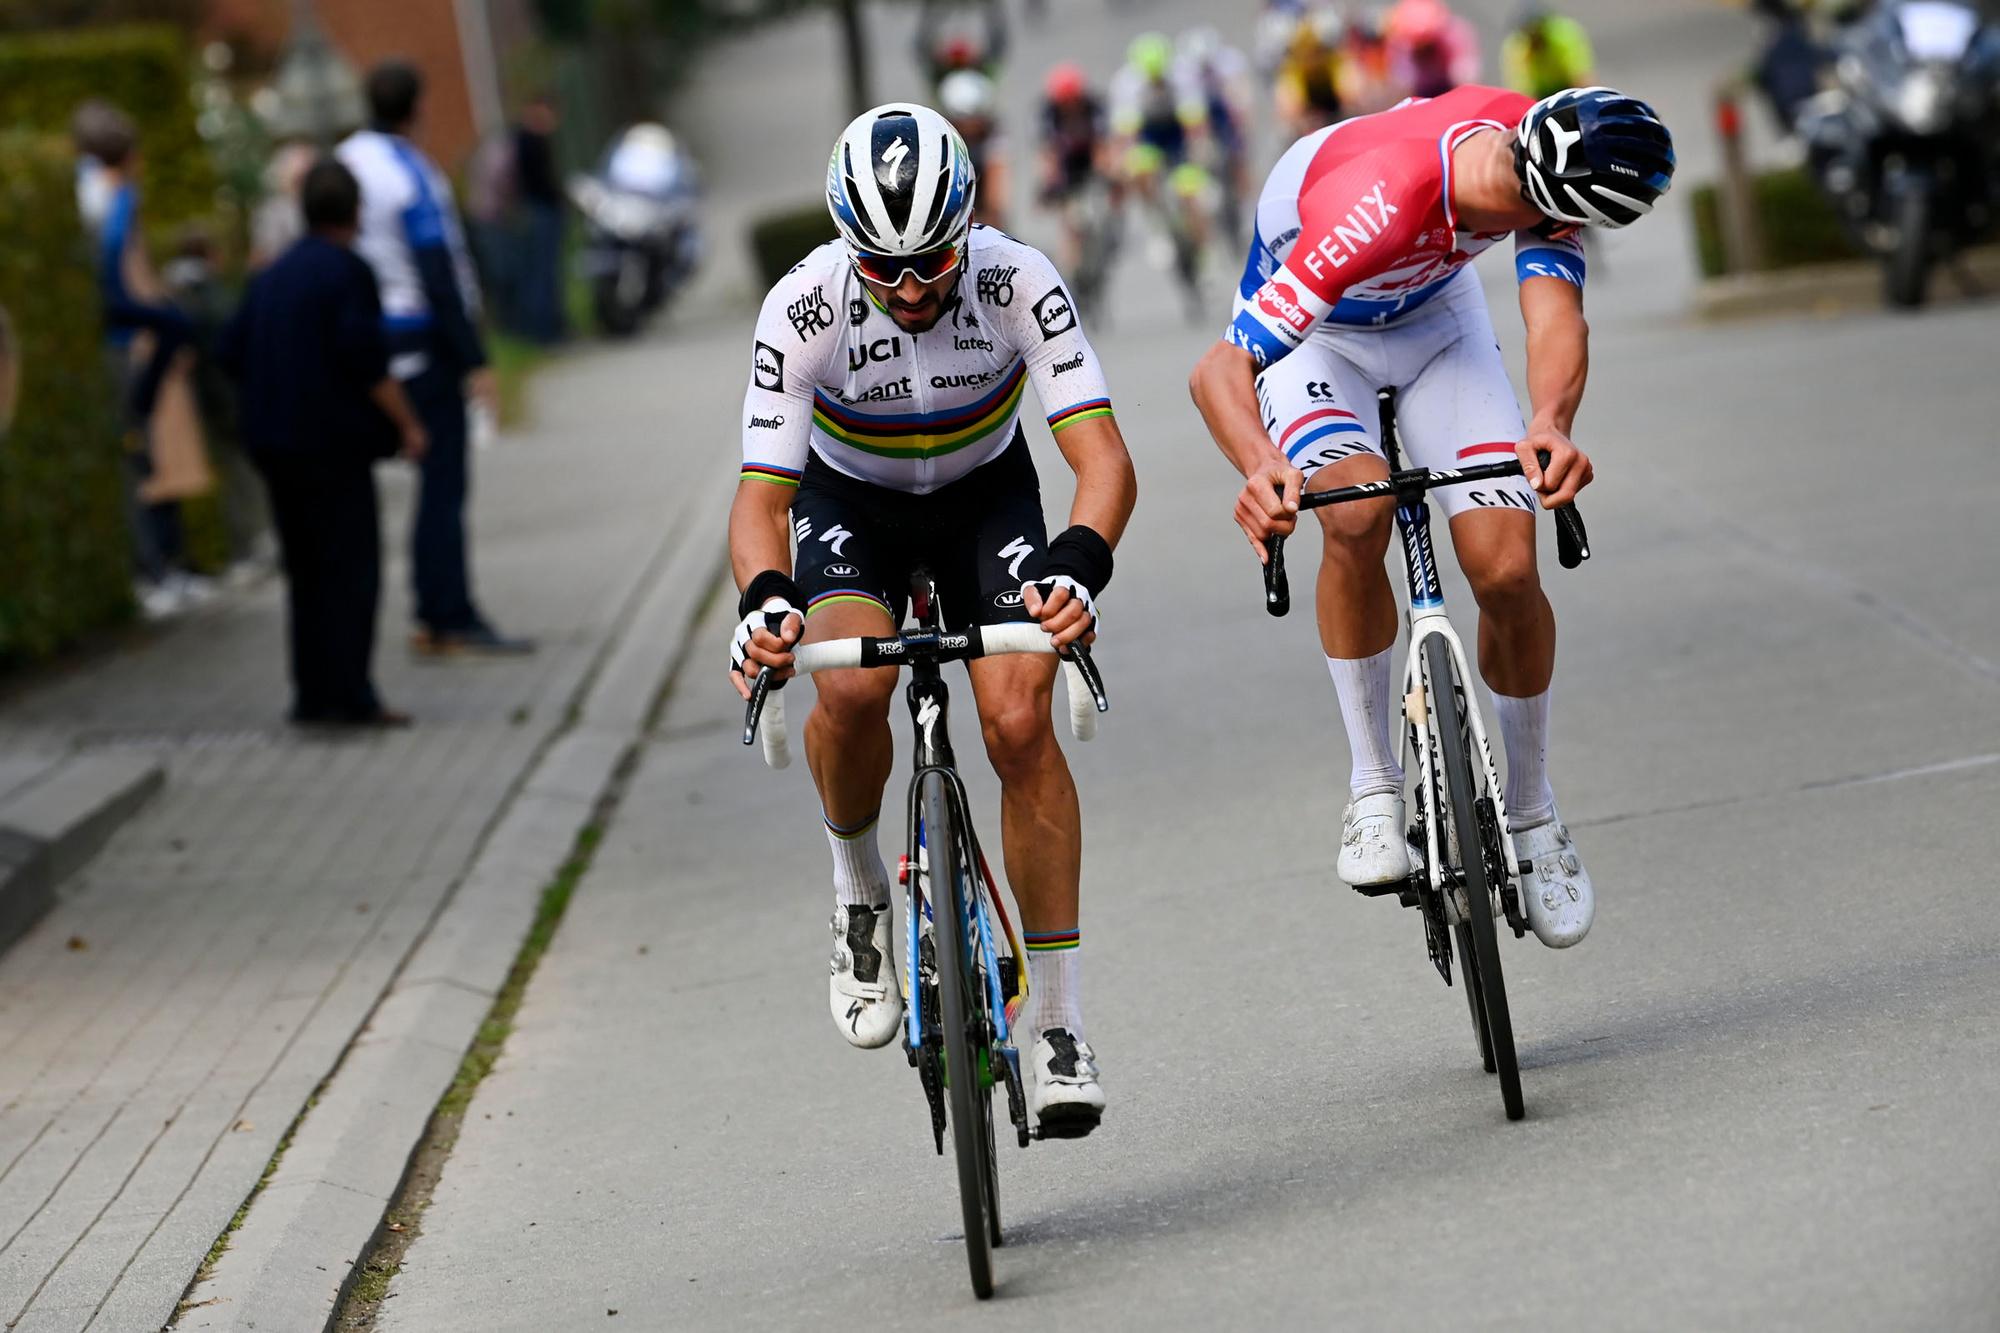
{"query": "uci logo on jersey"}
pixel 882 349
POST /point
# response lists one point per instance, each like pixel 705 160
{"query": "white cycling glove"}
pixel 1047 587
pixel 1080 561
pixel 766 604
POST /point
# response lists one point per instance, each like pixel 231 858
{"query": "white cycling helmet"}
pixel 900 182
pixel 966 94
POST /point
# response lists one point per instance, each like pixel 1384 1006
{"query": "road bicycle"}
pixel 963 979
pixel 1461 846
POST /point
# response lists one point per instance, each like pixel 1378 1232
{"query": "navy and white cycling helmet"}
pixel 1593 156
pixel 900 182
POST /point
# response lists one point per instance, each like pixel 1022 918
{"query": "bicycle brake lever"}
pixel 1277 589
pixel 1087 668
pixel 1572 541
pixel 759 689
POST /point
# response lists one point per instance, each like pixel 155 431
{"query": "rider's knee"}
pixel 1018 734
pixel 1358 530
pixel 855 699
pixel 1505 580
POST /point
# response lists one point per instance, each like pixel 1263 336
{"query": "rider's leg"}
pixel 1320 407
pixel 1517 647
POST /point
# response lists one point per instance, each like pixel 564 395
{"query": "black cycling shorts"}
pixel 981 537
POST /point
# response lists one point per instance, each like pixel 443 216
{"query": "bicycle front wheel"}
pixel 962 1011
pixel 1482 961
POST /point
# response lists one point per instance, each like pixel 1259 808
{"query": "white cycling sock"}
pixel 859 877
pixel 1524 731
pixel 1055 999
pixel 1363 686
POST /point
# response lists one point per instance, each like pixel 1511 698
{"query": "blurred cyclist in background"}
pixel 1223 74
pixel 1546 53
pixel 1367 75
pixel 1159 122
pixel 1073 170
pixel 972 104
pixel 1307 86
pixel 941 51
pixel 1433 49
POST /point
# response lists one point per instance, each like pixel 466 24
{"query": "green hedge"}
pixel 143 71
pixel 65 556
pixel 1799 226
pixel 780 240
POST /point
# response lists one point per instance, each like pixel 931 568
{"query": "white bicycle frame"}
pixel 1427 622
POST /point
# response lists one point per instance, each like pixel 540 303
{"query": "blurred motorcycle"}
pixel 643 238
pixel 1906 144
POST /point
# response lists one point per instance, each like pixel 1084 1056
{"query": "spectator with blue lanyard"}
pixel 411 238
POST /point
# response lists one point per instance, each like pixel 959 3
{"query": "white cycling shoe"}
pixel 1063 1090
pixel 1372 847
pixel 862 990
pixel 1556 892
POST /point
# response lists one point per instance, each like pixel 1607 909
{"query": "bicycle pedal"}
pixel 1068 1122
pixel 1383 890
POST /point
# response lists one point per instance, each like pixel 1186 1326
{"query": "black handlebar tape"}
pixel 1572 542
pixel 1277 590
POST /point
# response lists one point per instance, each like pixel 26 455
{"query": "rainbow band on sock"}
pixel 1052 941
pixel 1096 407
pixel 849 834
pixel 770 472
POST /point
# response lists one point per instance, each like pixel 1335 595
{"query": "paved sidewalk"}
pixel 166 1023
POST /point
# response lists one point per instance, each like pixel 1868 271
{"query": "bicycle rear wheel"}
pixel 1482 961
pixel 963 1012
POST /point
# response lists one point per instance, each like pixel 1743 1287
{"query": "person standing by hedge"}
pixel 411 237
pixel 134 303
pixel 319 408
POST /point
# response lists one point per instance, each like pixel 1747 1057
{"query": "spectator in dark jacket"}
pixel 539 295
pixel 318 409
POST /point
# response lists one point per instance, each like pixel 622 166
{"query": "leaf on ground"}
pixel 395 1226
pixel 77 944
pixel 244 1126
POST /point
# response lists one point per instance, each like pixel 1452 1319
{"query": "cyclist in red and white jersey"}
pixel 1359 280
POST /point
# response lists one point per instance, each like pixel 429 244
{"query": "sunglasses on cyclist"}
pixel 888 270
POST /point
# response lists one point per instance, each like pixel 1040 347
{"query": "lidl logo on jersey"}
pixel 767 368
pixel 1281 303
pixel 1055 313
pixel 1363 223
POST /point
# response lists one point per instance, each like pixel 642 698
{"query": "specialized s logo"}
pixel 1055 313
pixel 1363 223
pixel 767 368
pixel 811 313
pixel 1281 302
pixel 995 286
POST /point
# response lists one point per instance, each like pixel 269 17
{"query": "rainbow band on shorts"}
pixel 837 596
pixel 1052 941
pixel 771 472
pixel 1095 407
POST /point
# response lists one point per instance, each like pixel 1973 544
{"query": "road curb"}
pixel 1830 289
pixel 52 825
pixel 289 1264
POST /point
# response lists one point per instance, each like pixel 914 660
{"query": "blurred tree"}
pixel 26 15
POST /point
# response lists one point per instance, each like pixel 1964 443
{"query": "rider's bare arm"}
pixel 1558 364
pixel 1224 387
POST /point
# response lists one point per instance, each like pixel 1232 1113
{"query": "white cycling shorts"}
pixel 1454 404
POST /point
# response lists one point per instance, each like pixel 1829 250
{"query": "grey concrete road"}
pixel 1760 1096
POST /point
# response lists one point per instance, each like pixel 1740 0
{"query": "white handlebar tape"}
pixel 771 731
pixel 1016 636
pixel 1082 707
pixel 831 655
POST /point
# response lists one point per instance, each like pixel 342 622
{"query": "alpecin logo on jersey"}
pixel 767 368
pixel 1363 223
pixel 811 313
pixel 995 286
pixel 1280 302
pixel 1055 313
